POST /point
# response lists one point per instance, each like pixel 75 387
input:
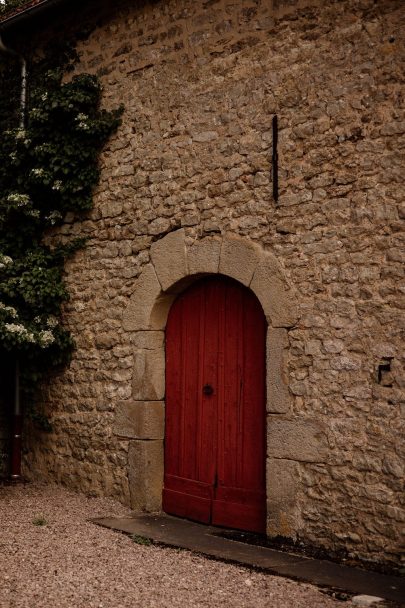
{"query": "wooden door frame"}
pixel 175 264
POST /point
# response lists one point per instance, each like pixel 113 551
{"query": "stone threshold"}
pixel 180 533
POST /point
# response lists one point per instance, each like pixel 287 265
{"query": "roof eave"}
pixel 17 18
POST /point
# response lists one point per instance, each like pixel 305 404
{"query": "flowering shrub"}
pixel 47 169
pixel 7 6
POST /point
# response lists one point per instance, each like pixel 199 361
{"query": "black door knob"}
pixel 207 389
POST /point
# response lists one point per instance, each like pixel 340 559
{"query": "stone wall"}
pixel 201 82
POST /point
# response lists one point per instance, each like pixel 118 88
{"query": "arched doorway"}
pixel 215 444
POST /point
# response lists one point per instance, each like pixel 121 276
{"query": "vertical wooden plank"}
pixel 253 474
pixel 211 377
pixel 188 464
pixel 239 500
pixel 215 443
pixel 191 312
pixel 173 401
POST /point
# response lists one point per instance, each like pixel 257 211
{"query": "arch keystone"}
pixel 203 256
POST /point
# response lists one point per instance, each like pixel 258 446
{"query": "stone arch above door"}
pixel 175 263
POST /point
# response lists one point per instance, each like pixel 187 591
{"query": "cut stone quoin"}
pixel 139 419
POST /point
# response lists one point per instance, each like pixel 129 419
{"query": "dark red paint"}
pixel 215 440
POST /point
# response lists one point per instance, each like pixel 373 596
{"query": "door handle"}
pixel 207 389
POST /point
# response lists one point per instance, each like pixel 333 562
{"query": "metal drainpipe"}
pixel 16 437
pixel 23 95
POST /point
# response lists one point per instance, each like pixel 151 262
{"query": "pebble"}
pixel 72 562
pixel 366 600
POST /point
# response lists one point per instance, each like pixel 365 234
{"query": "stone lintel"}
pixel 301 440
pixel 139 419
pixel 278 397
pixel 145 474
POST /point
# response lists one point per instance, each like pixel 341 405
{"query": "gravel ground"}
pixel 69 562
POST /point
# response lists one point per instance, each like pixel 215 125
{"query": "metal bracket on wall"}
pixel 274 160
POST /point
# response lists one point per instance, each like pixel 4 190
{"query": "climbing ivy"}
pixel 47 169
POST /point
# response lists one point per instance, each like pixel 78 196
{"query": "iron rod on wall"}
pixel 275 158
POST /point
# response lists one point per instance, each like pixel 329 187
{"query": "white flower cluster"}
pixel 57 185
pixel 19 199
pixel 46 338
pixel 20 134
pixel 43 338
pixel 50 322
pixel 37 113
pixel 38 172
pixel 82 123
pixel 5 260
pixel 53 217
pixel 20 331
pixel 8 309
pixel 45 147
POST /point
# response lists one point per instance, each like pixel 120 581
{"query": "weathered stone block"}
pixel 239 259
pixel 145 474
pixel 302 440
pixel 139 419
pixel 205 136
pixel 282 520
pixel 282 486
pixel 203 256
pixel 282 480
pixel 150 340
pixel 161 309
pixel 169 258
pixel 278 397
pixel 138 312
pixel 148 381
pixel 279 302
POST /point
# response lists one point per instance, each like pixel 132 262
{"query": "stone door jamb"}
pixel 175 264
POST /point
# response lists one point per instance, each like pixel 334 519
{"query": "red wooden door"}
pixel 215 406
